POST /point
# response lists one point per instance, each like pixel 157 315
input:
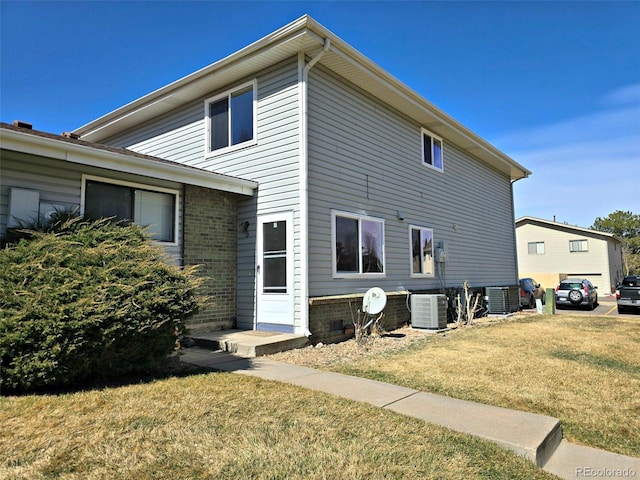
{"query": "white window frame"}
pixel 207 134
pixel 580 242
pixel 434 137
pixel 359 274
pixel 537 244
pixel 139 186
pixel 412 273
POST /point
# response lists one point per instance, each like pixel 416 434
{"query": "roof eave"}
pixel 304 34
pixel 86 155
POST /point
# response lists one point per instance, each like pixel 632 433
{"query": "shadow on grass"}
pixel 172 368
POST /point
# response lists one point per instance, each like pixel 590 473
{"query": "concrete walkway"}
pixel 537 437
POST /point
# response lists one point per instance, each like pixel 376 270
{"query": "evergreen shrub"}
pixel 93 300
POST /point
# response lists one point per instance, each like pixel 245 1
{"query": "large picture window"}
pixel 132 203
pixel 421 246
pixel 231 119
pixel 432 150
pixel 358 245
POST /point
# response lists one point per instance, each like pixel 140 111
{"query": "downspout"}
pixel 513 214
pixel 303 77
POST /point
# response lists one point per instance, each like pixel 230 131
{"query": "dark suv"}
pixel 530 290
pixel 575 292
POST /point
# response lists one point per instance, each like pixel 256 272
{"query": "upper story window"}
pixel 536 248
pixel 432 150
pixel 578 246
pixel 421 246
pixel 231 119
pixel 152 207
pixel 358 244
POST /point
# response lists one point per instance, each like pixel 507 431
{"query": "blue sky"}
pixel 555 85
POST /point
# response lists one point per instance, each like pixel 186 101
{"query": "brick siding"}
pixel 328 316
pixel 210 241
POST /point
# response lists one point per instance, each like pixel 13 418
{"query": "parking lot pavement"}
pixel 606 306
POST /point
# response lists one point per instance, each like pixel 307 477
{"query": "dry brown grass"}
pixel 233 427
pixel 583 370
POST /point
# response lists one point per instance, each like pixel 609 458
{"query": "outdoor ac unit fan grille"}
pixel 429 311
pixel 503 300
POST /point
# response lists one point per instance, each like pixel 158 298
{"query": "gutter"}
pixel 303 79
pixel 134 164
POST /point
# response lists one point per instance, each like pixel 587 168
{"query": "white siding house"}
pixel 547 247
pixel 362 182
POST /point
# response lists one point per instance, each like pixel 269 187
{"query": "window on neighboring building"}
pixel 536 248
pixel 359 244
pixel 421 246
pixel 578 246
pixel 432 150
pixel 231 119
pixel 140 204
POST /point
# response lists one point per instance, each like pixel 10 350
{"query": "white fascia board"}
pixel 562 226
pixel 289 32
pixel 94 157
pixel 350 54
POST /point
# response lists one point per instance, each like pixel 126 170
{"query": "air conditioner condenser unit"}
pixel 429 311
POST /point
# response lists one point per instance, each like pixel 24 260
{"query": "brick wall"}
pixel 210 236
pixel 329 315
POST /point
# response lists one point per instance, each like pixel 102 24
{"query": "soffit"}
pixel 303 35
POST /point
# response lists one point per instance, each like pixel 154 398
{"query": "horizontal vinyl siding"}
pixel 558 259
pixel 272 162
pixel 60 183
pixel 366 159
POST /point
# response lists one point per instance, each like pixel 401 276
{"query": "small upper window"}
pixel 432 150
pixel 578 246
pixel 231 119
pixel 421 246
pixel 536 248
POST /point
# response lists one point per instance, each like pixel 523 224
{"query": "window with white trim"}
pixel 421 247
pixel 129 202
pixel 432 150
pixel 231 119
pixel 536 248
pixel 358 244
pixel 578 246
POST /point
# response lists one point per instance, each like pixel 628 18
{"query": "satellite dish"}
pixel 374 301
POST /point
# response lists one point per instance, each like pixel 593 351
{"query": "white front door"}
pixel 274 273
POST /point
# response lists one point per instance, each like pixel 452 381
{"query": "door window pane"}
pixel 274 264
pixel 274 236
pixel 275 274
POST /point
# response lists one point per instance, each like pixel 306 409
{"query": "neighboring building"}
pixel 554 250
pixel 41 173
pixel 362 182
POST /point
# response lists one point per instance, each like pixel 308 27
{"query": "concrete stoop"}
pixel 536 437
pixel 247 343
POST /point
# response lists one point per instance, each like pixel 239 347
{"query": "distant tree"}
pixel 626 226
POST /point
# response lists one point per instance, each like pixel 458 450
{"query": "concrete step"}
pixel 248 343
